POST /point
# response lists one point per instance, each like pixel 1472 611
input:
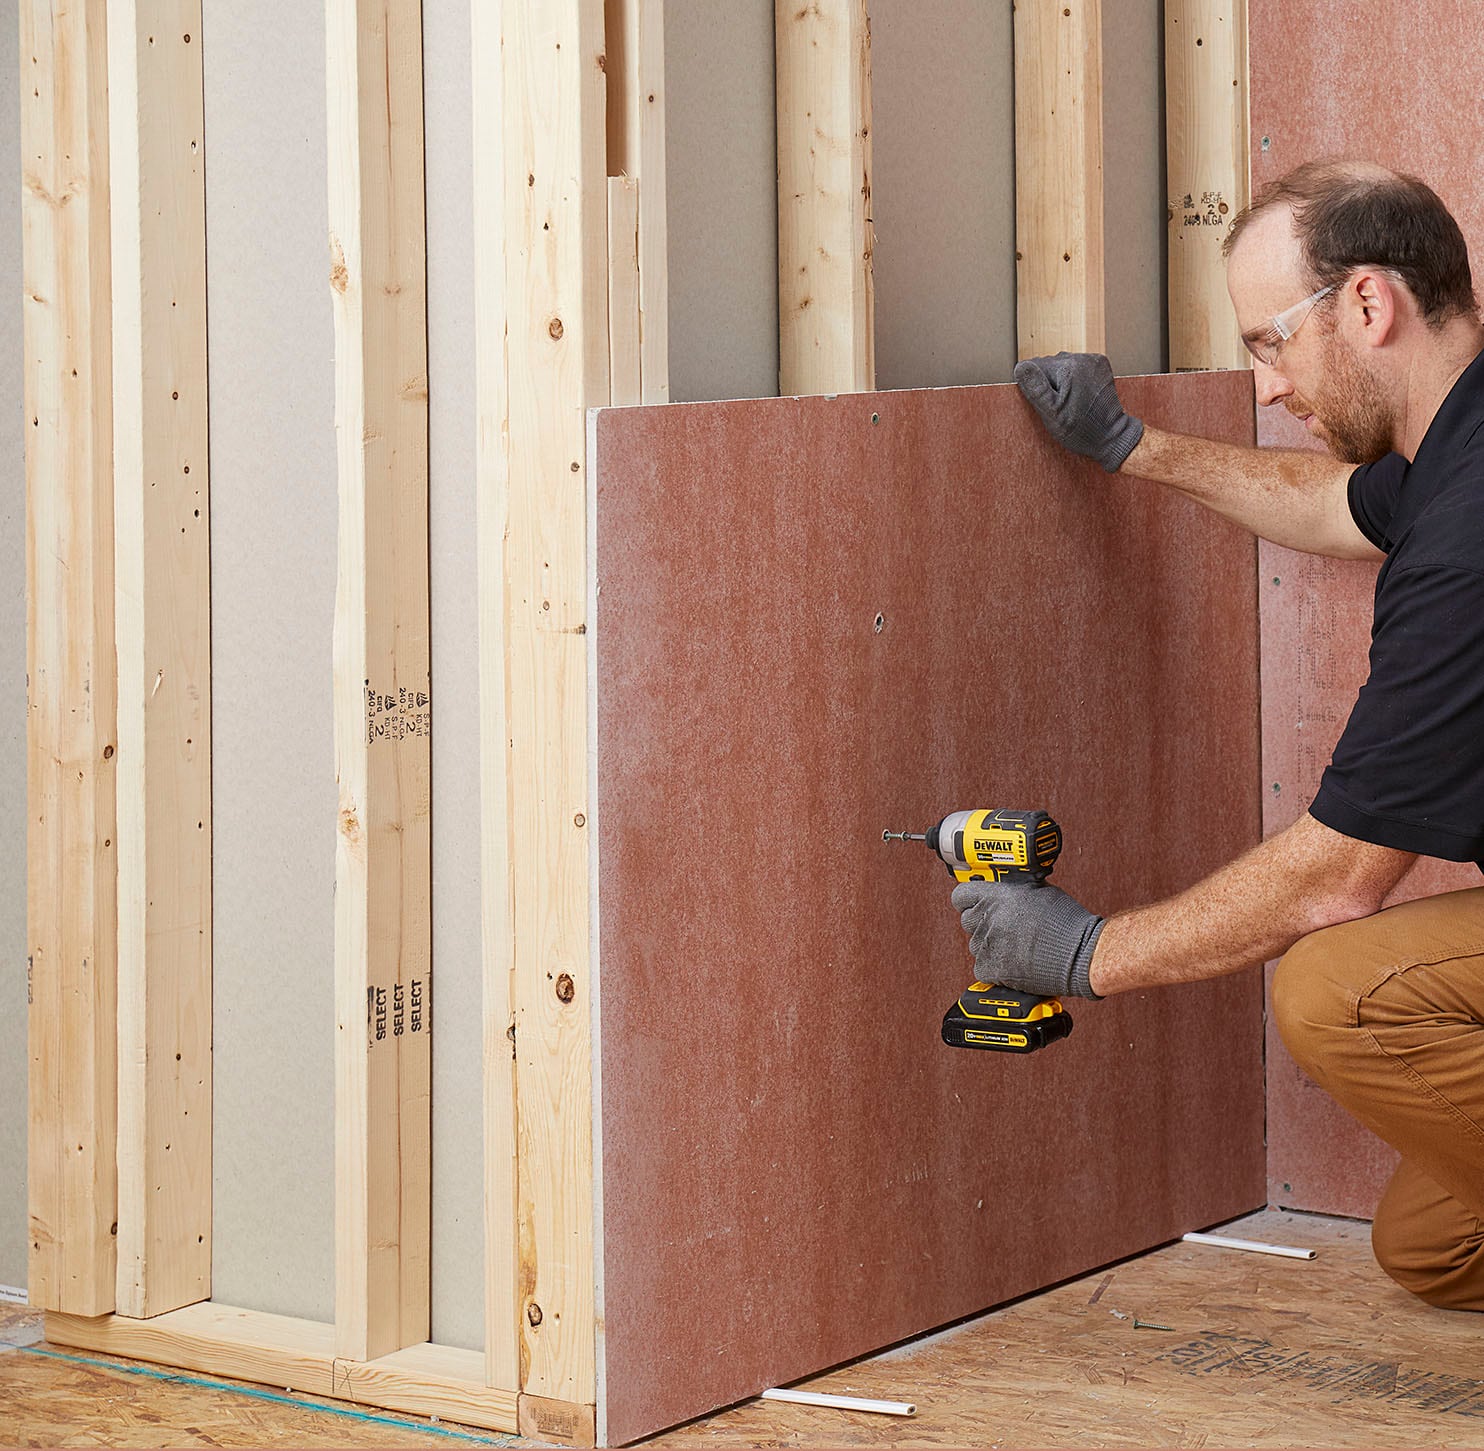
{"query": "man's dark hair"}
pixel 1349 214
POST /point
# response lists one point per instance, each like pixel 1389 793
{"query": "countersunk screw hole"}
pixel 880 624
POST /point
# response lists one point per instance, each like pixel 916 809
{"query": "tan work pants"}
pixel 1387 1014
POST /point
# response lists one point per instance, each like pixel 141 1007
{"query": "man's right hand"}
pixel 1078 403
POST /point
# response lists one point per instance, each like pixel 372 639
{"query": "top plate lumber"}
pixel 556 291
pixel 383 862
pixel 1207 157
pixel 163 604
pixel 1059 176
pixel 826 302
pixel 71 758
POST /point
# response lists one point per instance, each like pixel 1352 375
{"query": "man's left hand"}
pixel 1034 939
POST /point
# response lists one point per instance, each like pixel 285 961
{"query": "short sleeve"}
pixel 1408 771
pixel 1373 493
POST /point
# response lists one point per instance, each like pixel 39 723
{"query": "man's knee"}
pixel 1446 1271
pixel 1313 998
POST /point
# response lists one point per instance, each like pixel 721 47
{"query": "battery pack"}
pixel 967 1025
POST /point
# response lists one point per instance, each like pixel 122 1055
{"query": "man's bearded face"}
pixel 1355 421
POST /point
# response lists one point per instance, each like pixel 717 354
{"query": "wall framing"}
pixel 634 73
pixel 1059 176
pixel 424 1380
pixel 556 287
pixel 569 291
pixel 826 297
pixel 383 716
pixel 1207 173
pixel 71 754
pixel 163 634
pixel 501 1256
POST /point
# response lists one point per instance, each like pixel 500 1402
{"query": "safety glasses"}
pixel 1263 342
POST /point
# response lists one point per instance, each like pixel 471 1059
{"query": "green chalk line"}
pixel 426 1428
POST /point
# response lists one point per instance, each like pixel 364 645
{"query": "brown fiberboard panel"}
pixel 817 618
pixel 1344 78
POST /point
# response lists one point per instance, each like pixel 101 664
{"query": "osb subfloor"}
pixel 1187 1346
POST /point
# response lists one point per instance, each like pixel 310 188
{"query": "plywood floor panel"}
pixel 1259 1352
pixel 818 618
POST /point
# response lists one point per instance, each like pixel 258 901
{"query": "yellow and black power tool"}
pixel 1019 849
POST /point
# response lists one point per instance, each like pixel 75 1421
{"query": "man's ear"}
pixel 1375 306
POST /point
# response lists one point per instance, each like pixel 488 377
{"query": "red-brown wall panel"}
pixel 817 618
pixel 1402 84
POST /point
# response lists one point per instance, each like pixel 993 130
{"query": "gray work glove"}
pixel 1036 939
pixel 1075 396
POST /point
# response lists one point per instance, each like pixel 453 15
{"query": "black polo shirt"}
pixel 1408 771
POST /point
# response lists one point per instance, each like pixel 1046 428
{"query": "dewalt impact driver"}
pixel 1017 848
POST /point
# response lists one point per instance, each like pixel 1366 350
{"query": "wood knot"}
pixel 556 329
pixel 339 272
pixel 533 1314
pixel 566 989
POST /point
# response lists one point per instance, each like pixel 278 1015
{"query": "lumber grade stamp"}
pixel 1387 1381
pixel 568 1422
